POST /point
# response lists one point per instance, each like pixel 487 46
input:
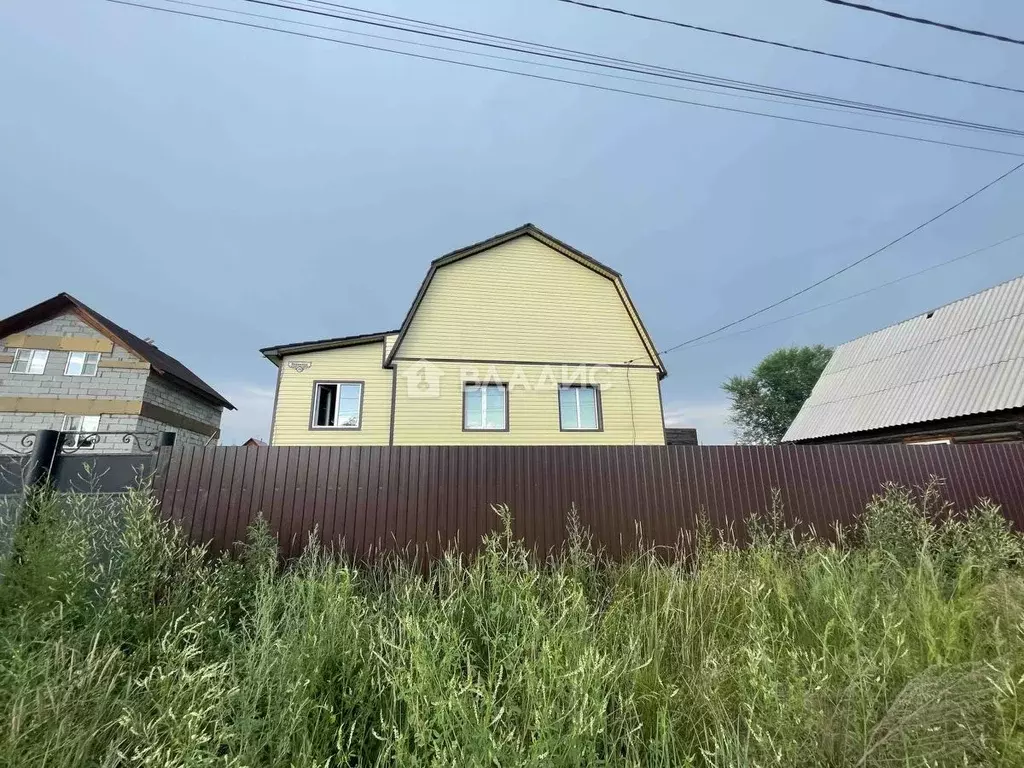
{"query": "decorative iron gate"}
pixel 97 462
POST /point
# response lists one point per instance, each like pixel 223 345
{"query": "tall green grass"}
pixel 901 645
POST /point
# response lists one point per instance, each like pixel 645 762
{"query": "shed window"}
pixel 29 360
pixel 82 364
pixel 485 407
pixel 338 405
pixel 579 408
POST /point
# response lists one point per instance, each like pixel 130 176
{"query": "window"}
pixel 485 407
pixel 337 405
pixel 83 429
pixel 29 360
pixel 579 408
pixel 82 364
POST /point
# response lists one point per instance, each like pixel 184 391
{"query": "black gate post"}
pixel 43 459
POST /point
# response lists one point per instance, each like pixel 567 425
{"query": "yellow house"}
pixel 516 340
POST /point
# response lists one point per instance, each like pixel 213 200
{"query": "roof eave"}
pixel 214 398
pixel 220 402
pixel 276 354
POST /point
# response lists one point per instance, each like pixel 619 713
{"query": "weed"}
pixel 900 644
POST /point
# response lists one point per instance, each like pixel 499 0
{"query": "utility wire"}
pixel 841 105
pixel 690 77
pixel 379 14
pixel 846 268
pixel 791 46
pixel 919 20
pixel 546 78
pixel 545 64
pixel 961 257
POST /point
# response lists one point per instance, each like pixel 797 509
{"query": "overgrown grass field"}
pixel 901 645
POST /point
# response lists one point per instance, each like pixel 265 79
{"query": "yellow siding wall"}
pixel 389 342
pixel 295 396
pixel 522 301
pixel 533 409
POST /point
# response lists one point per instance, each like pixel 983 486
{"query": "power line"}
pixel 380 14
pixel 945 263
pixel 546 78
pixel 919 20
pixel 791 46
pixel 547 65
pixel 739 85
pixel 846 268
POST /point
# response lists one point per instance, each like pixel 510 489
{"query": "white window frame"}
pixel 317 388
pixel 32 355
pixel 598 418
pixel 483 386
pixel 85 362
pixel 78 438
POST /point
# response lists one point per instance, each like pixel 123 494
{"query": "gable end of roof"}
pixel 161 363
pixel 530 230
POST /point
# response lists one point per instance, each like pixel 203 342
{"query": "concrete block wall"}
pixel 29 422
pixel 107 384
pixel 69 324
pixel 181 436
pixel 168 396
pixel 32 422
pixel 131 385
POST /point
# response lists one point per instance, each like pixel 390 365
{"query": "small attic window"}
pixel 929 315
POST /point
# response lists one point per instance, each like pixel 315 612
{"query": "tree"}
pixel 765 403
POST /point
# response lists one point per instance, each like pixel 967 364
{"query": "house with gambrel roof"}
pixel 520 339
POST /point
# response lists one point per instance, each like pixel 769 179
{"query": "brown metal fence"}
pixel 374 498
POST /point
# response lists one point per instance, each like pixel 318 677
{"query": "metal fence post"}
pixel 44 457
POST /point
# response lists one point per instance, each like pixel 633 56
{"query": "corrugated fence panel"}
pixel 425 499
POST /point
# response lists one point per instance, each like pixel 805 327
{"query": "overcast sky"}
pixel 221 189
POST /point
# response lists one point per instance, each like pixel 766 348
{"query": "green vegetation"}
pixel 765 403
pixel 902 645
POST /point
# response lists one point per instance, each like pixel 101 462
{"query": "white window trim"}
pixel 483 387
pixel 67 365
pixel 337 405
pixel 32 353
pixel 79 438
pixel 579 410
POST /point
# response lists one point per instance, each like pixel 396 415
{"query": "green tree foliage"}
pixel 765 403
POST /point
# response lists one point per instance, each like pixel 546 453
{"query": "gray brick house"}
pixel 65 366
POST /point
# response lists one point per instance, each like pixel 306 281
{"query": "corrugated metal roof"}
pixel 960 359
